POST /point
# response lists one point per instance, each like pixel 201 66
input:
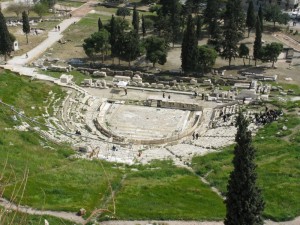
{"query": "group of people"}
pixel 57 28
pixel 164 95
pixel 268 116
pixel 195 136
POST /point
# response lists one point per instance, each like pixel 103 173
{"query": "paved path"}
pixel 53 36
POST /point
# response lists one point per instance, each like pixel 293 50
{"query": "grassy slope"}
pixel 167 192
pixel 278 169
pixel 67 184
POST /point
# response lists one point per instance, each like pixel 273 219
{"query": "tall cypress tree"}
pixel 135 19
pixel 26 26
pixel 143 26
pixel 198 26
pixel 211 15
pixel 175 20
pixel 257 42
pixel 113 37
pixel 100 25
pixel 261 18
pixel 6 44
pixel 250 21
pixel 244 202
pixel 189 47
pixel 235 12
pixel 231 33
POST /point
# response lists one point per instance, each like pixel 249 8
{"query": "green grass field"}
pixel 162 191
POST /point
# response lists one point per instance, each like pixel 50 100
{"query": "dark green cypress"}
pixel 189 47
pixel 250 21
pixel 143 26
pixel 235 12
pixel 198 27
pixel 212 14
pixel 100 25
pixel 135 19
pixel 26 26
pixel 6 44
pixel 231 33
pixel 113 37
pixel 261 18
pixel 244 203
pixel 257 42
pixel 175 20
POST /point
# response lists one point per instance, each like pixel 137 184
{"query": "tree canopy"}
pixel 243 51
pixel 156 50
pixel 189 47
pixel 123 12
pixel 206 58
pixel 26 26
pixel 270 52
pixel 257 42
pixel 98 42
pixel 251 18
pixel 135 19
pixel 5 39
pixel 274 14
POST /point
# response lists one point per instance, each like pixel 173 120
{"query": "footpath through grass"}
pixel 12 217
pixel 278 154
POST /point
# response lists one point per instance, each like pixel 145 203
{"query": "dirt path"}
pixel 79 220
pixel 25 209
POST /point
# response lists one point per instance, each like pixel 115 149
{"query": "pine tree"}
pixel 257 42
pixel 135 19
pixel 261 18
pixel 198 27
pixel 189 47
pixel 26 26
pixel 244 202
pixel 6 44
pixel 100 25
pixel 250 21
pixel 143 26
